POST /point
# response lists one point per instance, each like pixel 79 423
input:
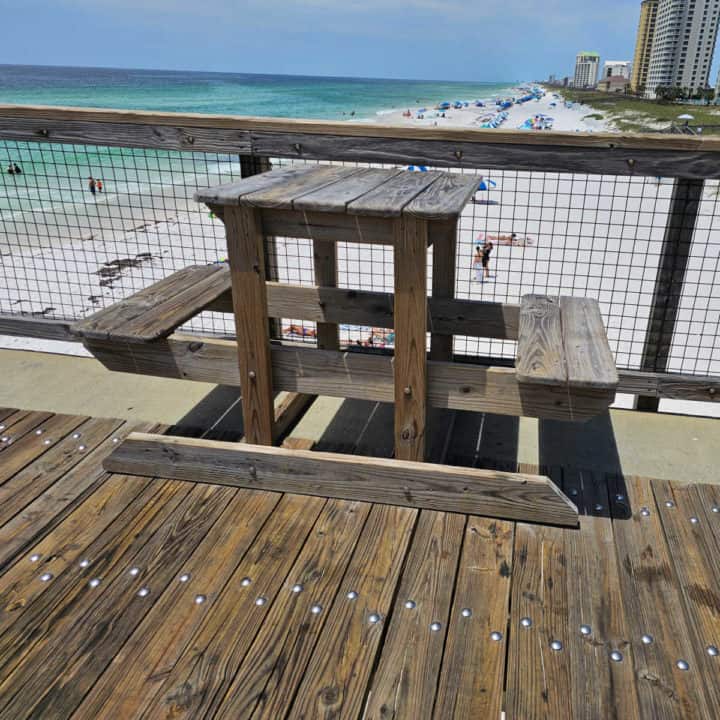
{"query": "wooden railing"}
pixel 690 160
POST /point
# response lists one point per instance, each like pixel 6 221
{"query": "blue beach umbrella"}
pixel 417 168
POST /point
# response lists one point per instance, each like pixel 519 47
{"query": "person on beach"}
pixel 92 185
pixel 481 261
pixel 99 185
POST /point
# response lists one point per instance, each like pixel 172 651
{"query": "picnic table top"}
pixel 354 191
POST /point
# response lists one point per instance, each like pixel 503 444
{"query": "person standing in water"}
pixel 92 185
pixel 99 185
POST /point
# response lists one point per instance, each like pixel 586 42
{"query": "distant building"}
pixel 551 80
pixel 683 44
pixel 614 84
pixel 643 44
pixel 587 65
pixel 717 89
pixel 617 68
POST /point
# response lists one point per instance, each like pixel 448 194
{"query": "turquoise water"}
pixel 54 177
pixel 238 94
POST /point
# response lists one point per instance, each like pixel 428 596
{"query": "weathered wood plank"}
pixel 445 198
pixel 410 365
pixel 289 411
pixel 588 357
pixel 653 607
pixel 538 677
pixel 246 253
pixel 27 326
pixel 335 680
pixel 355 375
pixel 281 196
pixel 325 266
pixel 694 552
pixel 138 670
pixel 540 354
pixel 406 678
pixel 473 668
pixel 596 153
pixel 435 487
pixel 274 666
pixel 443 236
pixel 20 424
pixel 600 685
pixel 51 508
pixel 157 310
pixel 391 197
pixel 673 386
pixel 63 666
pixel 201 676
pixel 336 197
pixel 230 193
pixel 447 316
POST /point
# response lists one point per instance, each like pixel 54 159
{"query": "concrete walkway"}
pixel 675 447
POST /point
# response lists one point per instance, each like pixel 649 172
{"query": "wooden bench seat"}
pixel 156 311
pixel 562 341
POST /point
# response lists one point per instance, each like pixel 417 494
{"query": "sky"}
pixel 424 39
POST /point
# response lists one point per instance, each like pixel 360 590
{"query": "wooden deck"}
pixel 126 597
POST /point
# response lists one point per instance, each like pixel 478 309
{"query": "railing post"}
pixel 684 207
pixel 254 165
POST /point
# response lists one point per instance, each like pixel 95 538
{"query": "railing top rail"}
pixel 650 155
pixel 639 141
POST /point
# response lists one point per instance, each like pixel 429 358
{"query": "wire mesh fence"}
pixel 66 251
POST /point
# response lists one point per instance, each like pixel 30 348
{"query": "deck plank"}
pixel 336 678
pixel 63 666
pixel 473 668
pixel 273 668
pixel 694 553
pixel 60 458
pixel 20 424
pixel 32 446
pixel 445 198
pixel 539 677
pixel 389 199
pixel 406 680
pixel 654 607
pixel 138 670
pixel 203 673
pixel 601 687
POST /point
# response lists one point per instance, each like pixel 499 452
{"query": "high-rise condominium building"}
pixel 586 69
pixel 643 44
pixel 683 44
pixel 617 68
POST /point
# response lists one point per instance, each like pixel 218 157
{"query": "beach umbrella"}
pixel 685 117
pixel 417 168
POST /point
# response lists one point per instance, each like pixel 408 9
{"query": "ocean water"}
pixel 229 93
pixel 55 176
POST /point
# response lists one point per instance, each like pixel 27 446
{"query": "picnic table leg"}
pixel 410 240
pixel 247 271
pixel 443 234
pixel 325 261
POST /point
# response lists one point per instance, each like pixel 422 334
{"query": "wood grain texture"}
pixel 453 386
pixel 410 363
pixel 26 326
pixel 280 196
pixel 406 678
pixel 335 680
pixel 325 267
pixel 694 552
pixel 447 316
pixel 538 683
pixel 335 198
pixel 589 360
pixel 289 412
pixel 443 238
pixel 274 666
pixel 473 669
pixel 195 685
pixel 390 199
pixel 445 198
pixel 137 671
pixel 412 484
pixel 540 354
pixel 230 193
pixel 654 606
pixel 158 309
pixel 247 268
